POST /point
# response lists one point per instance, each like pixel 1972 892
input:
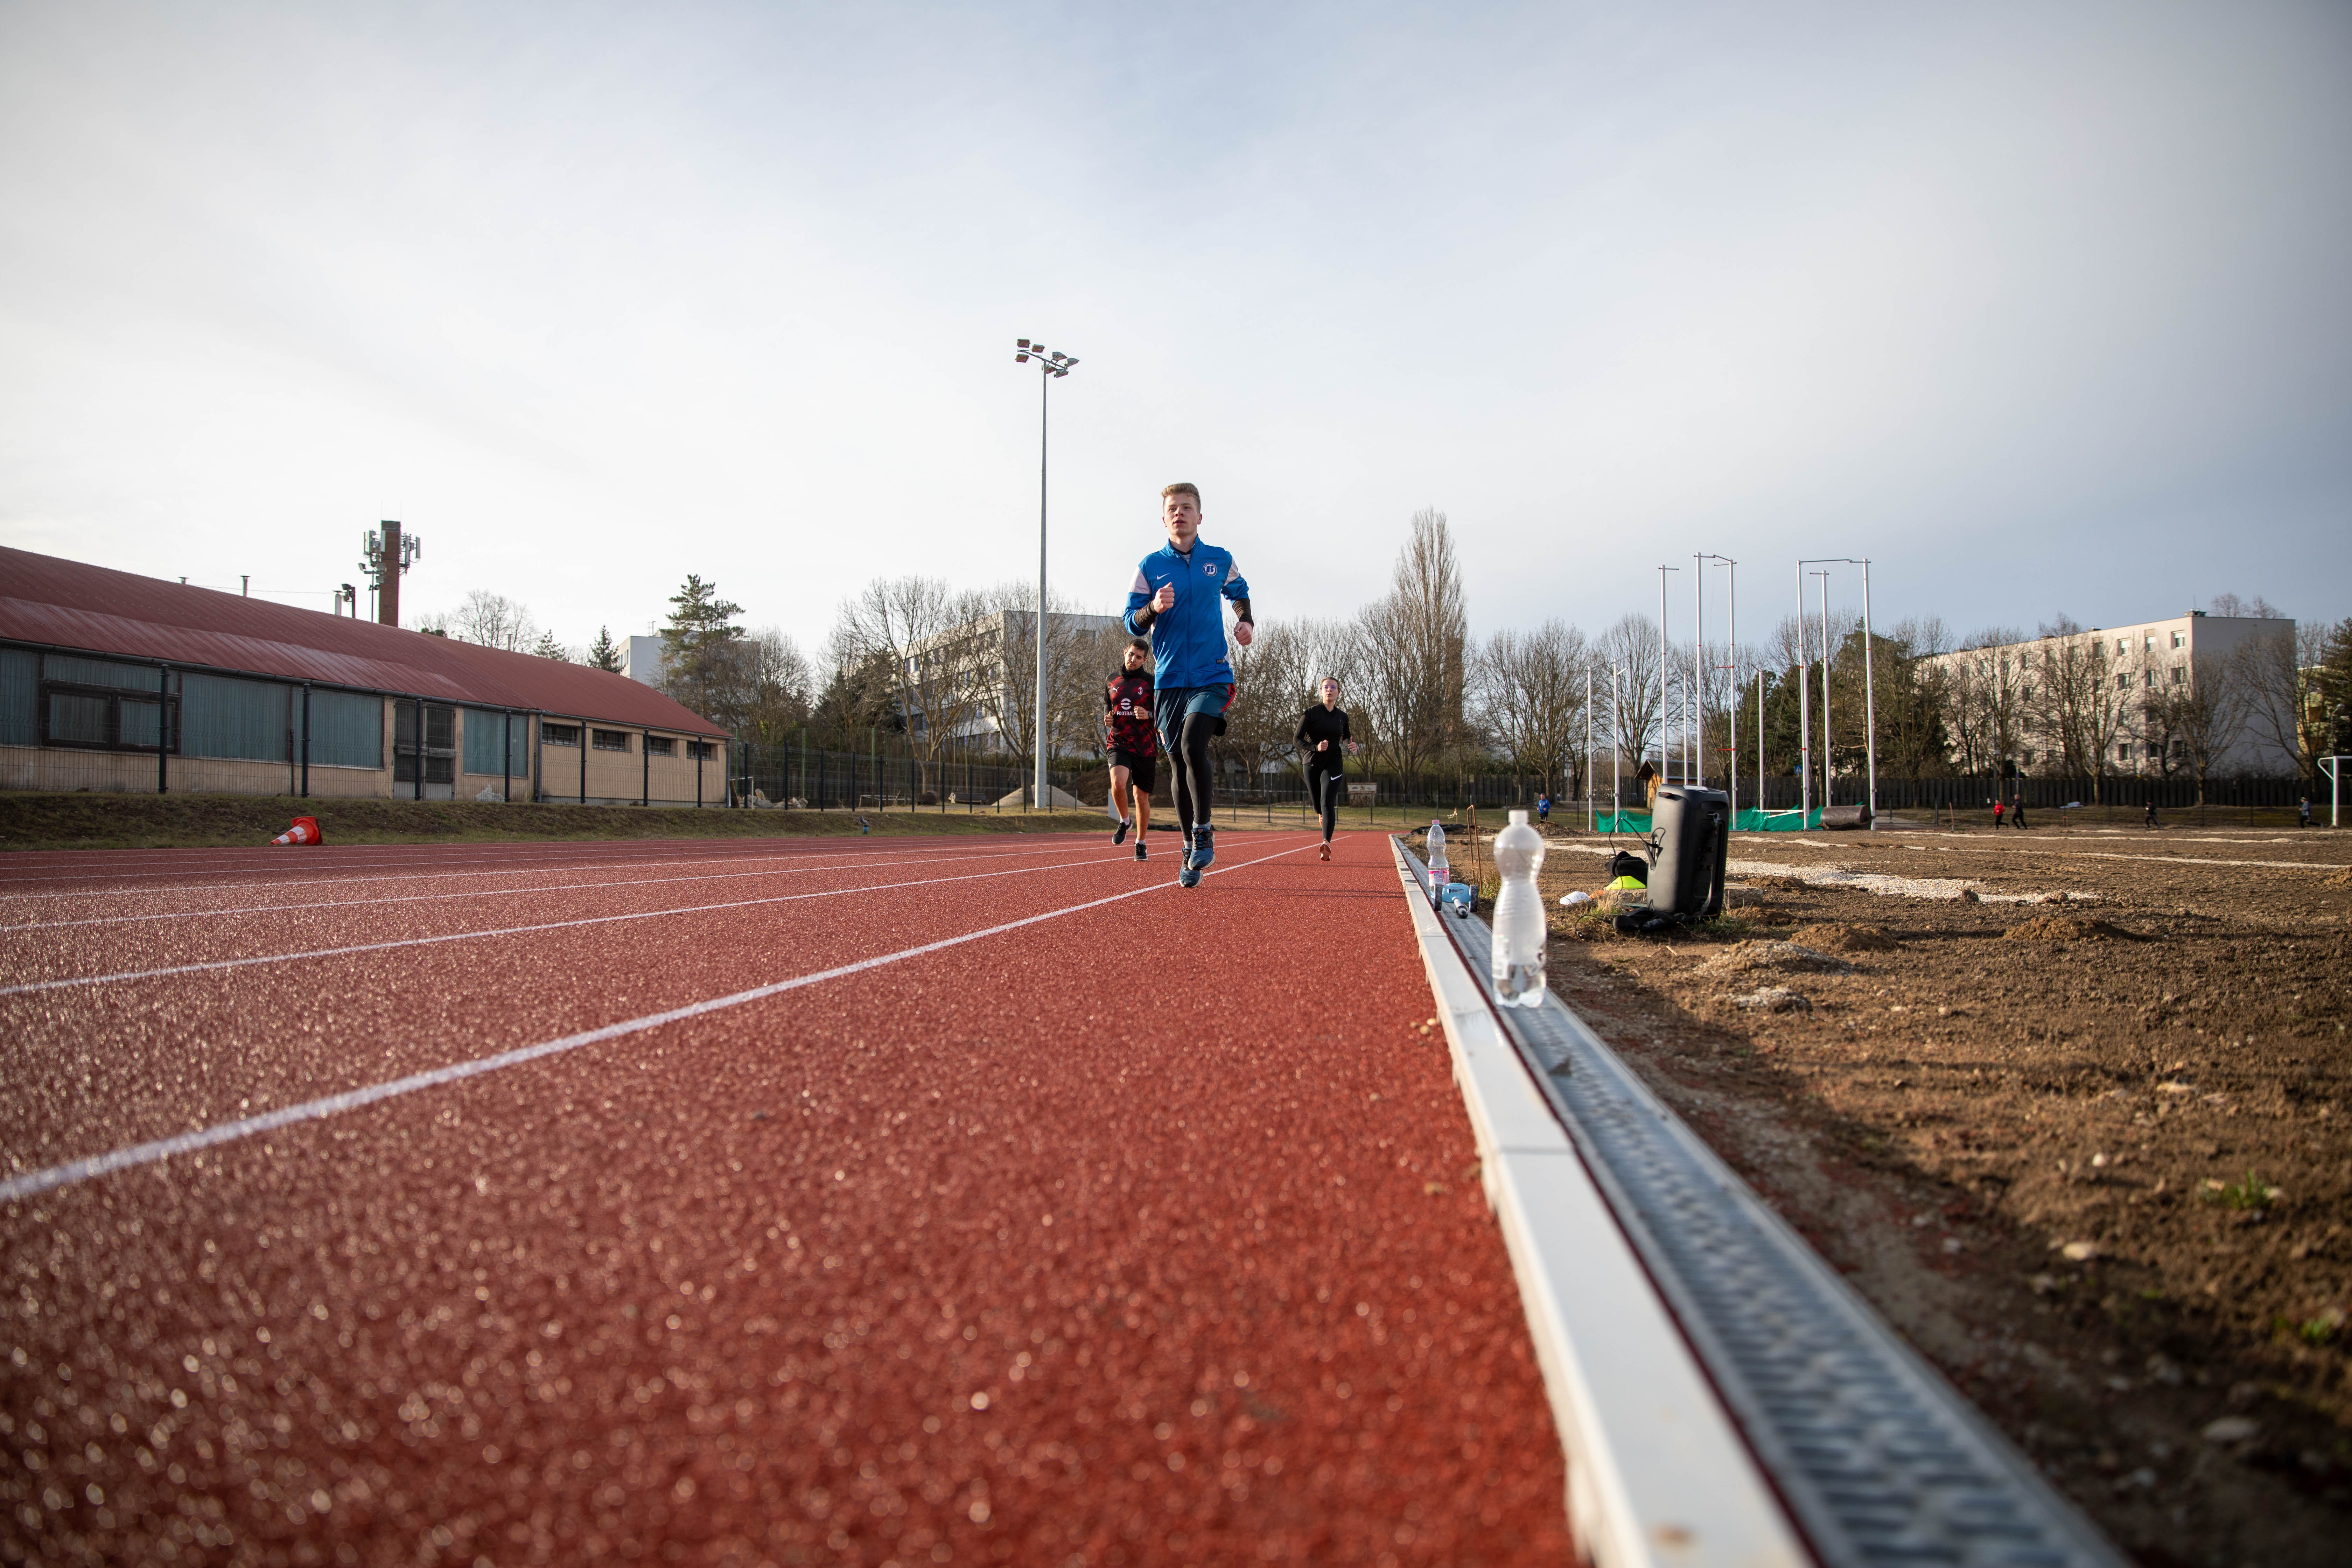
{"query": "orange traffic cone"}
pixel 304 831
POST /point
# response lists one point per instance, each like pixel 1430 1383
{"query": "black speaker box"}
pixel 1692 828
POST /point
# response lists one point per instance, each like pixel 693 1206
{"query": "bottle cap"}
pixel 1519 820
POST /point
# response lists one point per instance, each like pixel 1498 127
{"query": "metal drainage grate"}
pixel 1881 1462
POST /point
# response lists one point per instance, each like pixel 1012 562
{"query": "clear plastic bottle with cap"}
pixel 1439 873
pixel 1521 930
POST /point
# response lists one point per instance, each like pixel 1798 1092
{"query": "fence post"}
pixel 163 729
pixel 305 740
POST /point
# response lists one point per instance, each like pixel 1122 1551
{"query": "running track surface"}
pixel 1147 1231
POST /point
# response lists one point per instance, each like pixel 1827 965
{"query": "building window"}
pixel 609 740
pixel 2179 639
pixel 2150 646
pixel 2151 679
pixel 2123 683
pixel 702 751
pixel 2123 644
pixel 2123 753
pixel 2179 676
pixel 660 746
pixel 560 734
pixel 103 706
pixel 2029 756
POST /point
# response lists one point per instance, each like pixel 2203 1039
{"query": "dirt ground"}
pixel 2071 1107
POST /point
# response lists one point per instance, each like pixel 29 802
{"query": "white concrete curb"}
pixel 1657 1475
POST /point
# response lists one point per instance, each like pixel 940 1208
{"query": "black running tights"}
pixel 1327 788
pixel 1189 761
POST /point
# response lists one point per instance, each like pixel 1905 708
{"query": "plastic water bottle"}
pixel 1439 873
pixel 1520 928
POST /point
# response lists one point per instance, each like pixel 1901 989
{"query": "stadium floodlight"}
pixel 1051 367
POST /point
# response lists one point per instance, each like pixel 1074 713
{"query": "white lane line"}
pixel 74 1171
pixel 511 930
pixel 446 876
pixel 572 856
pixel 503 892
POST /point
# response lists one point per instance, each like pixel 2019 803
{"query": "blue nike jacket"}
pixel 1188 643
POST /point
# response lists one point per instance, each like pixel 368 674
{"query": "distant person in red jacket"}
pixel 1996 809
pixel 1133 745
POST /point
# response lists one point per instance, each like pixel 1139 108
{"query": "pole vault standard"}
pixel 1664 664
pixel 1828 656
pixel 1698 671
pixel 1869 674
pixel 1804 713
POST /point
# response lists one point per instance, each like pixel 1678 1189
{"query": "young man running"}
pixel 1134 749
pixel 1178 600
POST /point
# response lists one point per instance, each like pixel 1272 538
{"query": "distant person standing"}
pixel 2303 820
pixel 1323 736
pixel 1133 746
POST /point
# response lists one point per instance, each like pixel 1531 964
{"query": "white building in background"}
pixel 984 668
pixel 642 661
pixel 2136 665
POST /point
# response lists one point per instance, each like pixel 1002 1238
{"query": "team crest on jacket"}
pixel 1210 567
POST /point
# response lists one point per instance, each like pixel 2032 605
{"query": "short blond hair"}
pixel 1182 487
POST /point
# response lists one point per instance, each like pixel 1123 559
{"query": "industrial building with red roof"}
pixel 110 680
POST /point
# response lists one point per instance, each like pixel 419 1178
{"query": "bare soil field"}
pixel 2071 1107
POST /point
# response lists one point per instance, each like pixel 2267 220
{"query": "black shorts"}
pixel 1142 771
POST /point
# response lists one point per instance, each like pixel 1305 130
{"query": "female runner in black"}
pixel 1323 736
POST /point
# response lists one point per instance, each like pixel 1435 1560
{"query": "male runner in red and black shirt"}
pixel 1133 744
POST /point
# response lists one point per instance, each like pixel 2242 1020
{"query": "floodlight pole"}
pixel 1829 754
pixel 1616 742
pixel 1050 366
pixel 1589 795
pixel 1804 714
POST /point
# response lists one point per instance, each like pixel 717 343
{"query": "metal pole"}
pixel 506 756
pixel 1661 672
pixel 1762 806
pixel 163 729
pixel 645 758
pixel 1591 799
pixel 1869 696
pixel 1804 713
pixel 1696 777
pixel 1044 380
pixel 305 740
pixel 1616 740
pixel 420 749
pixel 1829 757
pixel 1731 653
pixel 584 761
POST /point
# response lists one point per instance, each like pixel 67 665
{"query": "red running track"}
pixel 1146 1230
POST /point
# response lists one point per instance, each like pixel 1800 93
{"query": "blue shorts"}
pixel 1172 705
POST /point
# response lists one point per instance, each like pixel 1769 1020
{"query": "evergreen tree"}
pixel 697 643
pixel 547 648
pixel 601 653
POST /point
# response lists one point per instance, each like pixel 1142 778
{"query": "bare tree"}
pixel 1412 652
pixel 492 620
pixel 2207 713
pixel 2282 672
pixel 1272 688
pixel 1625 685
pixel 1530 700
pixel 1005 650
pixel 762 688
pixel 923 630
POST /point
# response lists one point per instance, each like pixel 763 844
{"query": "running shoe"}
pixel 1327 851
pixel 1120 836
pixel 1139 852
pixel 1188 878
pixel 1204 847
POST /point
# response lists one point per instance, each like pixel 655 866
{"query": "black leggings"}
pixel 1327 786
pixel 1187 759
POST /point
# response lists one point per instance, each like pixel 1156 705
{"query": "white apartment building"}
pixel 982 676
pixel 642 661
pixel 2013 699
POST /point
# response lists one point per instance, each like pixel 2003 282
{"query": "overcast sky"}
pixel 2046 308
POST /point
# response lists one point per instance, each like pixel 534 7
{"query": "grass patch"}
pixel 2253 1193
